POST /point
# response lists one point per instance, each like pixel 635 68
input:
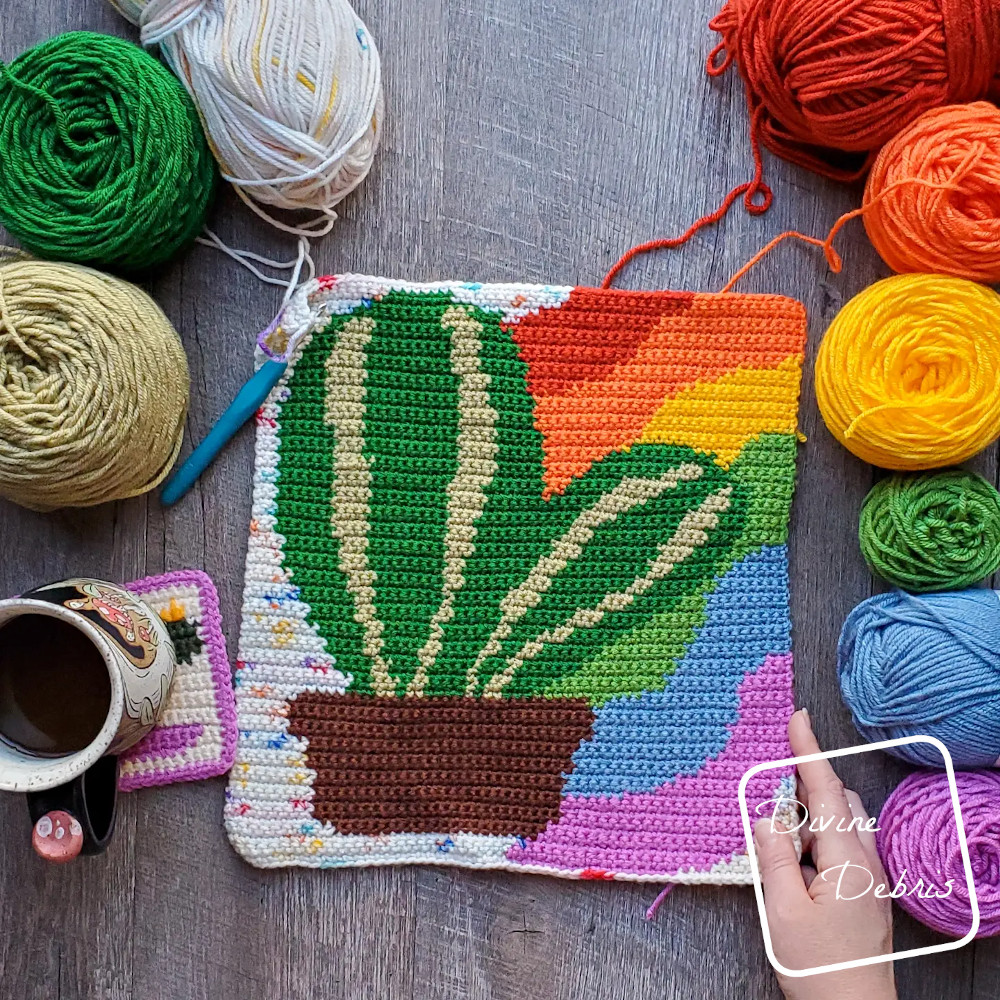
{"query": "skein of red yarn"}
pixel 829 77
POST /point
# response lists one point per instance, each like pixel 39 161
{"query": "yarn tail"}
pixel 658 902
pixel 833 258
pixel 757 199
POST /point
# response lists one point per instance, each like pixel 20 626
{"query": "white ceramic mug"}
pixel 73 796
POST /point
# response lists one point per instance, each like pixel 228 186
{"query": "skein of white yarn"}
pixel 290 94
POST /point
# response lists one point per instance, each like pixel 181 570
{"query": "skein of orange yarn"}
pixel 932 201
pixel 829 77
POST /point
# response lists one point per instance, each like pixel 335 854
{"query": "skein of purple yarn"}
pixel 917 839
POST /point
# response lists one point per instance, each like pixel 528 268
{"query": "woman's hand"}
pixel 827 914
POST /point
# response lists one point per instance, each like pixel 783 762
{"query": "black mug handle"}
pixel 90 798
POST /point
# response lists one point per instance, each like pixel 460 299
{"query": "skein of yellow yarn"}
pixel 93 386
pixel 908 374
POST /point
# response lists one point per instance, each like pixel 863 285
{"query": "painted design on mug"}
pixel 116 614
pixel 142 707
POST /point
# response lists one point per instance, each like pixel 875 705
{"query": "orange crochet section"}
pixel 644 372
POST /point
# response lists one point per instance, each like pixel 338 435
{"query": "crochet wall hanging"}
pixel 516 592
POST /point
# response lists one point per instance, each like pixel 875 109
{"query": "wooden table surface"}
pixel 524 140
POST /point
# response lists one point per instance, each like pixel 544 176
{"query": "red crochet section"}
pixel 587 335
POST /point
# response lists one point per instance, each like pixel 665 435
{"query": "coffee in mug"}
pixel 55 692
pixel 85 667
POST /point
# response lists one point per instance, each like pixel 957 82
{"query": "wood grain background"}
pixel 529 140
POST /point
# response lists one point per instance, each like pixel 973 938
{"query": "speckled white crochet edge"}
pixel 268 812
pixel 319 299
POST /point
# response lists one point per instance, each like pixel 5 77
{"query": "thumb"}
pixel 779 866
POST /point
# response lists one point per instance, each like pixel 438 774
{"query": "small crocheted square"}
pixel 196 736
pixel 517 589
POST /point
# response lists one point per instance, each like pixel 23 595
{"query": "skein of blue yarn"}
pixel 927 666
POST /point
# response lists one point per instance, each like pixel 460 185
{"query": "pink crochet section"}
pixel 196 736
pixel 689 824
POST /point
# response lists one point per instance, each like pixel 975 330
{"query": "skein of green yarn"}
pixel 102 155
pixel 932 531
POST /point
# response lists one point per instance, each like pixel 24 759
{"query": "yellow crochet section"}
pixel 722 415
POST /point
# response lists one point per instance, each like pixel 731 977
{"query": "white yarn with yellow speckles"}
pixel 290 95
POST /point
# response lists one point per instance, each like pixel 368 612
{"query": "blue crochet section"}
pixel 642 742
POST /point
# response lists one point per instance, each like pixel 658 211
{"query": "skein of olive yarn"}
pixel 102 156
pixel 934 531
pixel 93 387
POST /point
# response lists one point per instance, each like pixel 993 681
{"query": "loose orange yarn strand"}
pixel 832 257
pixel 669 242
pixel 851 94
pixel 749 189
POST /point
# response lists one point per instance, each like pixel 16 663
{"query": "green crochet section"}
pixel 577 635
pixel 644 659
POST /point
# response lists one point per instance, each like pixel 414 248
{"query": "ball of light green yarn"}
pixel 93 386
pixel 102 155
pixel 933 531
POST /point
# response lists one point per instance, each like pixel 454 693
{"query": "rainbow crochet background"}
pixel 517 589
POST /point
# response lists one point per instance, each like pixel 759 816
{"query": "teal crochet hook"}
pixel 239 411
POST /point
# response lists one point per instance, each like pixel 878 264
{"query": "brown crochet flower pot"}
pixel 439 765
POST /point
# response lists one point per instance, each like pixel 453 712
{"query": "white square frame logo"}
pixel 874 959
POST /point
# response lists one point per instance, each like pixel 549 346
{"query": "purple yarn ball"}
pixel 917 839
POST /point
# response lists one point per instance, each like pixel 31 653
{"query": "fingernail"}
pixel 767 827
pixel 805 712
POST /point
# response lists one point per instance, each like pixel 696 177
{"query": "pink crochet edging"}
pixel 211 628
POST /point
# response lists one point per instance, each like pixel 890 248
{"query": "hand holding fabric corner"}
pixel 825 915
